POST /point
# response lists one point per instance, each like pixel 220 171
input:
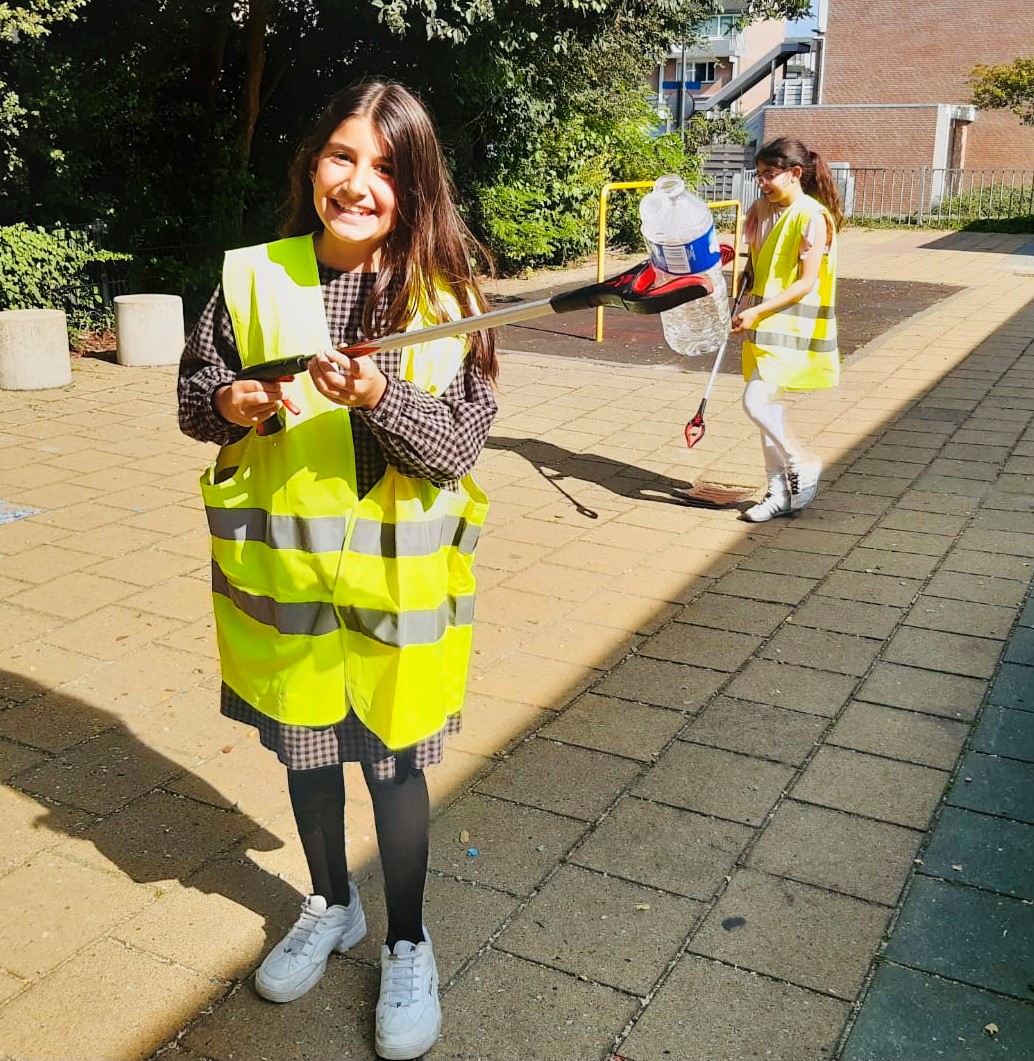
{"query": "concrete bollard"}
pixel 148 329
pixel 34 350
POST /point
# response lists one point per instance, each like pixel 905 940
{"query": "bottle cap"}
pixel 671 184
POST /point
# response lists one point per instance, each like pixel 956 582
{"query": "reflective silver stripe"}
pixel 807 311
pixel 326 534
pixel 772 340
pixel 409 628
pixel 321 534
pixel 466 537
pixel 311 618
pixel 416 538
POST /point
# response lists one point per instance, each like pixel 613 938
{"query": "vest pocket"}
pixel 288 557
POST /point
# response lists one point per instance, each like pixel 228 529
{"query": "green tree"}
pixel 189 110
pixel 21 23
pixel 543 119
pixel 1008 86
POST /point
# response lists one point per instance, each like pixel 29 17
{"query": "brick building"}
pixel 894 85
pixel 699 68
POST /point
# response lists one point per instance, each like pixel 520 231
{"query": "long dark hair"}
pixel 816 179
pixel 430 247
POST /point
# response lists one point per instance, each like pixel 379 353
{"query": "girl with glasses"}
pixel 789 329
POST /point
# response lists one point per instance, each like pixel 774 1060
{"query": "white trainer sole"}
pixel 408 1053
pixel 278 994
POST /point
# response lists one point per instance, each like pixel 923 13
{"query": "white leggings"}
pixel 763 403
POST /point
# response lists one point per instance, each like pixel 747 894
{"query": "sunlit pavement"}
pixel 707 767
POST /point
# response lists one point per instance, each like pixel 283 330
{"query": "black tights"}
pixel 402 814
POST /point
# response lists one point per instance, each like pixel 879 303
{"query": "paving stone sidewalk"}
pixel 717 776
pixel 957 979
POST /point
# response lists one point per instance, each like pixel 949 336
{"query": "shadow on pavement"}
pixel 101 786
pixel 555 463
pixel 975 239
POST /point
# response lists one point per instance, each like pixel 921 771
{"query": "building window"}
pixel 702 73
pixel 720 26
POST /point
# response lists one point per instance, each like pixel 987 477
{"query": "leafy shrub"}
pixel 192 276
pixel 543 207
pixel 52 270
pixel 523 229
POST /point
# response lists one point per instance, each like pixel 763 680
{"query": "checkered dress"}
pixel 432 438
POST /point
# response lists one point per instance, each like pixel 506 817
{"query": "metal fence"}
pixel 918 196
pixel 937 197
pixel 175 254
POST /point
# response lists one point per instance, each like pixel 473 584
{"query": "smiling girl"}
pixel 343 535
pixel 790 333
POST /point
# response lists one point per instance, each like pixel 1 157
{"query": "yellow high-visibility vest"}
pixel 796 347
pixel 325 601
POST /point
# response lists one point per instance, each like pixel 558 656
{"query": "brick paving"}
pixel 709 768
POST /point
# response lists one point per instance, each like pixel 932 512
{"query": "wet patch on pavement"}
pixel 866 309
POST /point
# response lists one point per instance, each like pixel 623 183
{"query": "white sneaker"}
pixel 299 960
pixel 803 477
pixel 409 1015
pixel 770 506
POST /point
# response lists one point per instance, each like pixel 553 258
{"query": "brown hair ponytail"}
pixel 816 178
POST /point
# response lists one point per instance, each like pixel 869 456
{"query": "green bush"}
pixel 193 280
pixel 543 208
pixel 42 269
pixel 523 229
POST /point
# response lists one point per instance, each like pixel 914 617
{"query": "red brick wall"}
pixel 878 137
pixel 997 140
pixel 886 51
pixel 891 137
pixel 872 140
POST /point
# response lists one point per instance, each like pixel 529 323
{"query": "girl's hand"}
pixel 355 382
pixel 745 320
pixel 248 402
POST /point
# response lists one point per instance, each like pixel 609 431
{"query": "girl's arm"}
pixel 439 439
pixel 213 406
pixel 210 361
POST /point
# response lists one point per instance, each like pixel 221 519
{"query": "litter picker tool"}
pixel 631 290
pixel 695 428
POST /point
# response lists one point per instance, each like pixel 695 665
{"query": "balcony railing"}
pixel 725 46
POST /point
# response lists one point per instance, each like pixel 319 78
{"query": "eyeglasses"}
pixel 769 175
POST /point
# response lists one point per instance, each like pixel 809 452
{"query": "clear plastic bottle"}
pixel 679 232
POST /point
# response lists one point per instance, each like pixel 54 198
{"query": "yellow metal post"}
pixel 601 248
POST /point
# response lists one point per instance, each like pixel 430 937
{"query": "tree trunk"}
pixel 208 49
pixel 255 65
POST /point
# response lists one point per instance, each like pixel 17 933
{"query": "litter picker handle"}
pixel 721 353
pixel 695 428
pixel 633 291
pixel 279 369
